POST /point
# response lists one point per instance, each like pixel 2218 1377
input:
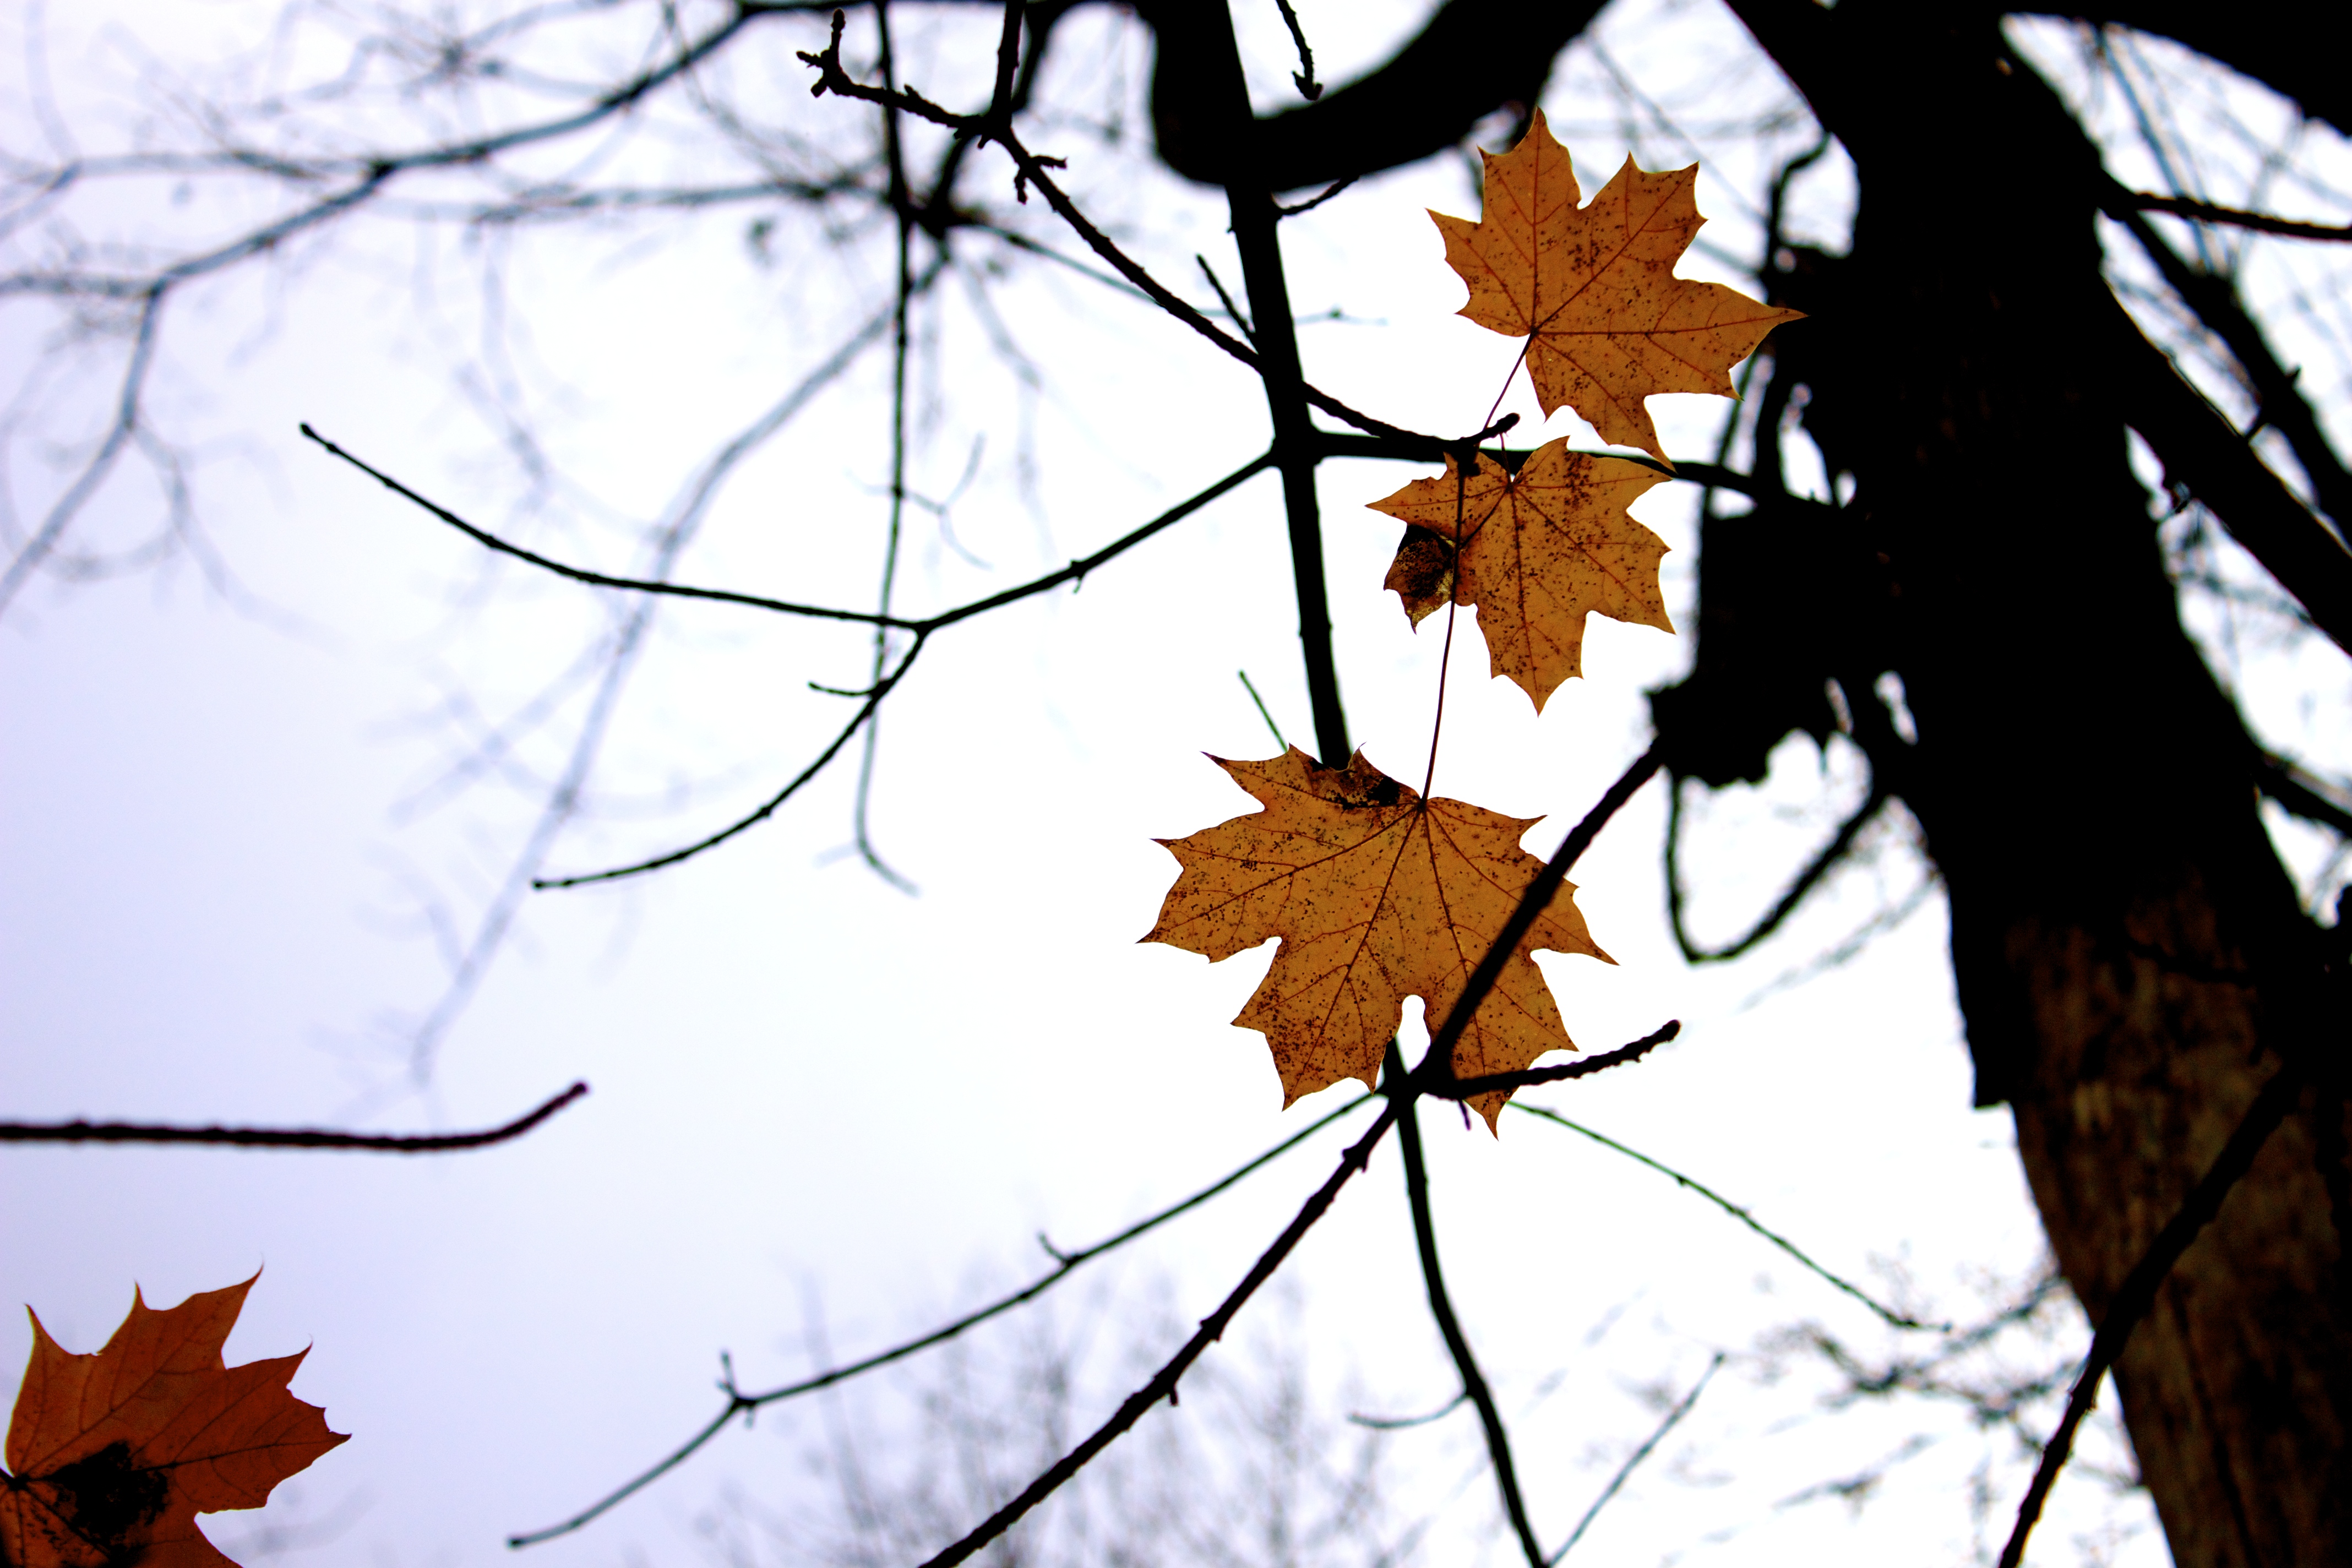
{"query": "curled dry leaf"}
pixel 112 1456
pixel 1376 895
pixel 1594 288
pixel 1536 551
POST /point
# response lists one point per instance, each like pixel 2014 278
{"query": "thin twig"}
pixel 1438 1084
pixel 1311 202
pixel 901 208
pixel 1075 571
pixel 1804 883
pixel 1309 88
pixel 1032 170
pixel 1532 904
pixel 1232 311
pixel 1887 1314
pixel 1262 710
pixel 598 578
pixel 1399 1423
pixel 1441 1307
pixel 2206 212
pixel 767 808
pixel 739 1402
pixel 1640 1454
pixel 1164 1383
pixel 2136 1294
pixel 282 1137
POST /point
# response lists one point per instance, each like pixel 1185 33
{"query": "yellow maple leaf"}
pixel 1376 895
pixel 112 1456
pixel 1536 551
pixel 1594 288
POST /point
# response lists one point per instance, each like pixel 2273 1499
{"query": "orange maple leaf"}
pixel 112 1456
pixel 1594 288
pixel 1376 895
pixel 1536 551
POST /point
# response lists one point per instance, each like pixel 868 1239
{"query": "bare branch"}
pixel 1673 1419
pixel 1438 1083
pixel 1164 1383
pixel 1886 1314
pixel 2137 1293
pixel 79 1131
pixel 1532 903
pixel 739 1402
pixel 1804 883
pixel 2206 212
pixel 1441 1307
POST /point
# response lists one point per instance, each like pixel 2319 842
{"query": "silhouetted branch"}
pixel 1164 1383
pixel 2280 403
pixel 1075 571
pixel 875 694
pixel 489 541
pixel 1532 905
pixel 1232 311
pixel 2136 1294
pixel 1437 1083
pixel 767 808
pixel 1799 887
pixel 1441 1307
pixel 1311 202
pixel 739 1403
pixel 282 1137
pixel 2200 450
pixel 1399 1423
pixel 1888 1314
pixel 1032 169
pixel 1673 1417
pixel 1309 88
pixel 2206 212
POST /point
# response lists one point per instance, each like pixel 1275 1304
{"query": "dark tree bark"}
pixel 2131 959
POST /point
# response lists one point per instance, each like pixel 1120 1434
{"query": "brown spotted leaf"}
pixel 112 1456
pixel 1594 288
pixel 1376 895
pixel 1535 551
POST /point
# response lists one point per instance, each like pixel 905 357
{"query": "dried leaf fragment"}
pixel 112 1456
pixel 1376 895
pixel 1594 288
pixel 1535 551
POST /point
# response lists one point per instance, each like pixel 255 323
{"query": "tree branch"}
pixel 1532 903
pixel 1275 338
pixel 1164 1383
pixel 1885 1313
pixel 739 1402
pixel 1436 1079
pixel 1799 887
pixel 1441 1307
pixel 1673 1419
pixel 2199 449
pixel 2280 402
pixel 2207 212
pixel 79 1131
pixel 2137 1293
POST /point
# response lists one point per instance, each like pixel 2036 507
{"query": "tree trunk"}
pixel 2131 959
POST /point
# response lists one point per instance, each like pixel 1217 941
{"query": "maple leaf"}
pixel 1376 895
pixel 1536 551
pixel 1594 288
pixel 112 1456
